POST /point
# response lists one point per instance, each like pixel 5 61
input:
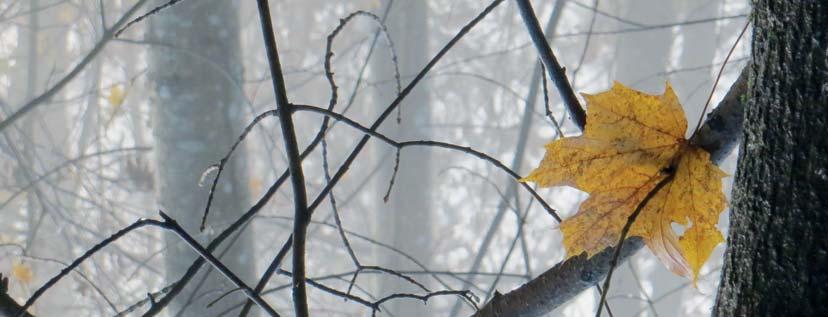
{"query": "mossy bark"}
pixel 777 258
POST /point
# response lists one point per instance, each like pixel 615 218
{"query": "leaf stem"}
pixel 630 220
pixel 716 82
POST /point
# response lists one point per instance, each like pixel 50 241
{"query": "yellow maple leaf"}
pixel 633 141
pixel 22 272
pixel 116 96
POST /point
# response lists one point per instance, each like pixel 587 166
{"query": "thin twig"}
pixel 549 113
pixel 606 304
pixel 167 224
pixel 372 133
pixel 65 164
pixel 646 28
pixel 77 262
pixel 393 176
pixel 155 10
pixel 320 136
pixel 404 93
pixel 223 162
pixel 83 276
pixel 172 225
pixel 332 290
pixel 196 265
pixel 626 230
pixel 649 300
pixel 468 296
pixel 719 76
pixel 538 74
pixel 108 35
pixel 150 299
pixel 586 43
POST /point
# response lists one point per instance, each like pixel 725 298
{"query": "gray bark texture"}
pixel 197 114
pixel 776 263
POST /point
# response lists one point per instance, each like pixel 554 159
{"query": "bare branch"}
pixel 108 35
pixel 167 224
pixel 556 72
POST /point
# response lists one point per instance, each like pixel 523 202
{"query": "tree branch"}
pixel 300 196
pixel 108 35
pixel 719 135
pixel 723 129
pixel 253 210
pixel 167 224
pixel 556 72
pixel 384 115
pixel 171 224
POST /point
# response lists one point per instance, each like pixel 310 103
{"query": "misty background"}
pixel 145 115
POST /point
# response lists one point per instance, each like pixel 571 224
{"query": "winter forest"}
pixel 366 157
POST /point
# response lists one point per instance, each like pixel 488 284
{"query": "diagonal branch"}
pixel 556 72
pixel 108 35
pixel 168 224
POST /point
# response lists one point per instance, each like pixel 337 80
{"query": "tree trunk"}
pixel 777 255
pixel 197 114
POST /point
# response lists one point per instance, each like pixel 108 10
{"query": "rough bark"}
pixel 557 285
pixel 777 257
pixel 566 280
pixel 197 114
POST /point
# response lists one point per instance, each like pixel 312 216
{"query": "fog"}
pixel 108 119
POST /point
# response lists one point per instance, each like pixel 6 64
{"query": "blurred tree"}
pixel 197 114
